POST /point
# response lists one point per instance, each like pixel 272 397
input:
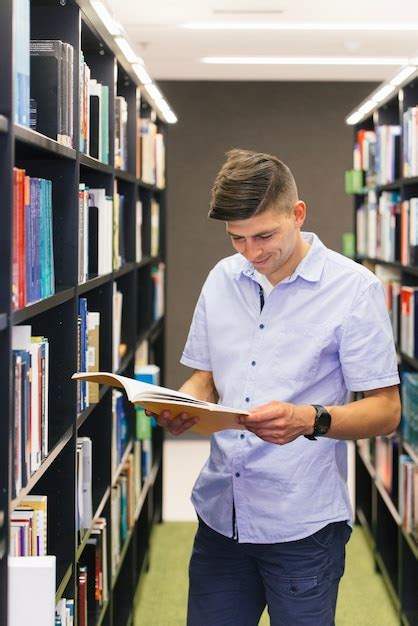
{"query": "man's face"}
pixel 270 240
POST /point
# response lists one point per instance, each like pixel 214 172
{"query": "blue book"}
pixel 21 58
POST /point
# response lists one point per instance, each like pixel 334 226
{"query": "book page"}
pixel 134 388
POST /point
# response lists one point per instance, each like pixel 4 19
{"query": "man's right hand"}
pixel 175 425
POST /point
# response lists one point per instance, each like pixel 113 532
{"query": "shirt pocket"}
pixel 298 350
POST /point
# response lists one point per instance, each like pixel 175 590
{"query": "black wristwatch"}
pixel 322 422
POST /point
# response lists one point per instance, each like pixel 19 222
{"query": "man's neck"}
pixel 301 249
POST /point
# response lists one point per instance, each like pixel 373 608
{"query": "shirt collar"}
pixel 310 268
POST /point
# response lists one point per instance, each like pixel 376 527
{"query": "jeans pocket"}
pixel 294 587
pixel 324 537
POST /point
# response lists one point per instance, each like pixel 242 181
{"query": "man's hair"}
pixel 250 183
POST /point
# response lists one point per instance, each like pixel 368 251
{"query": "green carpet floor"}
pixel 161 601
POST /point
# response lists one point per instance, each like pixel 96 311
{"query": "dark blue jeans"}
pixel 231 582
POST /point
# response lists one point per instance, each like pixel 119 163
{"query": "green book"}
pixel 354 181
pixel 143 425
pixel 349 245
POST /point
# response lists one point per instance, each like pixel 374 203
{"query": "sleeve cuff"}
pixel 375 383
pixel 195 364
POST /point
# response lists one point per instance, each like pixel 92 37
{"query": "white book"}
pixel 86 484
pixel 117 325
pixel 138 232
pixel 31 591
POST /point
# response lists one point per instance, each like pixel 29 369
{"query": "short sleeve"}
pixel 196 350
pixel 367 349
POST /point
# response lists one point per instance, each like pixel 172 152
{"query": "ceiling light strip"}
pixel 305 60
pixel 384 92
pixel 301 26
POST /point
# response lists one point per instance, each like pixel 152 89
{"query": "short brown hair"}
pixel 250 183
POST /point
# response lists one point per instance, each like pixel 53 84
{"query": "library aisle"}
pixel 363 598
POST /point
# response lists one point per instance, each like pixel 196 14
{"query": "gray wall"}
pixel 301 123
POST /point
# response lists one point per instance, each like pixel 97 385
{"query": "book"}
pixel 31 590
pixel 212 417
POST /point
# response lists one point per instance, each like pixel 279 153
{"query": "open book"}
pixel 212 417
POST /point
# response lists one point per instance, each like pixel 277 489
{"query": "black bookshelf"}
pixel 394 550
pixel 55 317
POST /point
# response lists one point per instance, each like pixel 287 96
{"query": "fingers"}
pixel 176 425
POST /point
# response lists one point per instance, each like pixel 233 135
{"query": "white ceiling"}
pixel 174 53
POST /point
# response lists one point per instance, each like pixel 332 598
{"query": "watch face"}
pixel 323 421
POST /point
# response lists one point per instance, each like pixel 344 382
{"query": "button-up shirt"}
pixel 322 332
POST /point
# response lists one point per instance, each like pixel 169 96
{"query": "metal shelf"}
pixel 29 311
pixel 95 164
pixel 93 283
pixel 47 462
pixel 30 137
pixel 97 514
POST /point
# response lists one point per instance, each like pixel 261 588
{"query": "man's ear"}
pixel 299 213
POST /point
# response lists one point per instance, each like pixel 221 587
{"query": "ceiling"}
pixel 173 53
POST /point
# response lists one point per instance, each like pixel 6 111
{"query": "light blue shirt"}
pixel 323 331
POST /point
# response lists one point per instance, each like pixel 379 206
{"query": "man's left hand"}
pixel 279 422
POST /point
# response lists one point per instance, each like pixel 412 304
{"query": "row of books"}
pixel 152 154
pixel 410 142
pixel 32 239
pixel 377 152
pixel 88 354
pixel 93 584
pixel 51 89
pixel 387 229
pixel 124 499
pixel 64 612
pixel 402 305
pixel 30 380
pixel 101 235
pixel 28 527
pixel 398 473
pixel 409 390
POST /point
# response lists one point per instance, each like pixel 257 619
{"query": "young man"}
pixel 283 329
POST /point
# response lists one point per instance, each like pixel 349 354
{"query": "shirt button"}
pixel 247 399
pixel 252 362
pixel 237 474
pixel 261 326
pixel 242 436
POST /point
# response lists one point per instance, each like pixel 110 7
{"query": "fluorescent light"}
pixel 382 93
pixel 142 74
pixel 170 117
pixel 162 104
pixel 305 60
pixel 403 74
pixel 154 92
pixel 321 26
pixel 108 21
pixel 354 118
pixel 367 107
pixel 129 52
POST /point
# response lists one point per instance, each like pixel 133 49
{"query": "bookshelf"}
pixel 56 316
pixel 384 150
